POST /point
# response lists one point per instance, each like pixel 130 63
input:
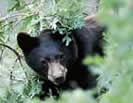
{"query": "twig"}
pixel 90 17
pixel 25 18
pixel 12 78
pixel 11 16
pixel 14 51
pixel 18 56
pixel 2 51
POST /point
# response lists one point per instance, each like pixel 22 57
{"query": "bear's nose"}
pixel 59 80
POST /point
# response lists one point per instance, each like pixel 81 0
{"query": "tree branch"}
pixel 17 54
pixel 10 48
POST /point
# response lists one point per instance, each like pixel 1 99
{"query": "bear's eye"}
pixel 44 62
pixel 61 56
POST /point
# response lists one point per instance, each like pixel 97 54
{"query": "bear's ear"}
pixel 25 42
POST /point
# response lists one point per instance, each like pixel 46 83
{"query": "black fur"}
pixel 87 41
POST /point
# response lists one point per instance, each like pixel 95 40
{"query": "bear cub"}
pixel 59 66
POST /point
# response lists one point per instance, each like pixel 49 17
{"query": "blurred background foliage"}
pixel 19 84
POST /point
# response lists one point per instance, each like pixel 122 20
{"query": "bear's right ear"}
pixel 25 42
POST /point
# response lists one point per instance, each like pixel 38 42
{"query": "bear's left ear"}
pixel 26 42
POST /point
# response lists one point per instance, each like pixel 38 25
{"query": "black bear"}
pixel 58 65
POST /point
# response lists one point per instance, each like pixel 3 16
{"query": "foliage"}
pixel 20 85
pixel 58 15
pixel 116 73
pixel 118 63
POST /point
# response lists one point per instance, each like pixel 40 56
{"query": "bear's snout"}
pixel 56 72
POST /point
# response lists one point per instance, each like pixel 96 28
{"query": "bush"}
pixel 115 69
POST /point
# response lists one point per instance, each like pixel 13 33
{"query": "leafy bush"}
pixel 115 69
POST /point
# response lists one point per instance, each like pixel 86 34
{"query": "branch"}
pixel 11 16
pixel 2 51
pixel 89 17
pixel 25 15
pixel 10 48
pixel 14 51
pixel 17 54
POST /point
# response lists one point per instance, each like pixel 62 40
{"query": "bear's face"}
pixel 47 55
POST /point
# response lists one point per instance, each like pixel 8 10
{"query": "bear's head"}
pixel 47 55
